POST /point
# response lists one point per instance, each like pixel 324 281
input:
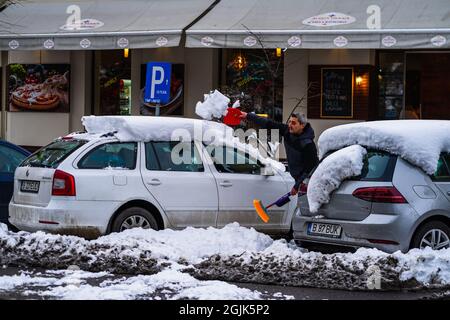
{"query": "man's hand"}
pixel 294 191
pixel 243 115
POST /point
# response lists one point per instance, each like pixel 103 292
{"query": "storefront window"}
pixel 113 83
pixel 391 85
pixel 414 85
pixel 255 77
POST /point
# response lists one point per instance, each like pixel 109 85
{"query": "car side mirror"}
pixel 267 170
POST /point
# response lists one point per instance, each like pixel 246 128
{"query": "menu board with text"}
pixel 336 93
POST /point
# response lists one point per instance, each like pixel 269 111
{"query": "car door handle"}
pixel 154 182
pixel 226 184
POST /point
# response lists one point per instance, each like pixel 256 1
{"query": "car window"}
pixel 377 166
pixel 111 155
pixel 9 159
pixel 173 156
pixel 443 168
pixel 53 154
pixel 232 160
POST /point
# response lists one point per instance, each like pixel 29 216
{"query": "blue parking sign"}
pixel 157 83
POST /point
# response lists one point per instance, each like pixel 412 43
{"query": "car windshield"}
pixel 53 154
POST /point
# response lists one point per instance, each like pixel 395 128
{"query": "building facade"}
pixel 322 56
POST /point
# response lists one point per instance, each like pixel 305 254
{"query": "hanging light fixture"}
pixel 239 62
pixel 278 52
pixel 126 52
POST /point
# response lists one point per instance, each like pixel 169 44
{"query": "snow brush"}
pixel 262 211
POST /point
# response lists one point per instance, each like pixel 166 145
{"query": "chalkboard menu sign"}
pixel 337 93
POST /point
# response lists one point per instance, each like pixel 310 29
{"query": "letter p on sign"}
pixel 157 84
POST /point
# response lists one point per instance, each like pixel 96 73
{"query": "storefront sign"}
pixel 438 41
pixel 294 41
pixel 336 93
pixel 329 19
pixel 157 84
pixel 388 41
pixel 80 25
pixel 340 41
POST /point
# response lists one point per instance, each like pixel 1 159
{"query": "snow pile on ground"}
pixel 132 251
pixel 213 106
pixel 168 284
pixel 418 141
pixel 232 253
pixel 330 173
pixel 138 128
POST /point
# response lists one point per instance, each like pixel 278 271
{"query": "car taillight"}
pixel 63 184
pixel 380 194
pixel 303 189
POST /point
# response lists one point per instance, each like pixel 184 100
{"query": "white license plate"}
pixel 29 186
pixel 324 229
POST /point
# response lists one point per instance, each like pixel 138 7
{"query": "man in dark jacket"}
pixel 298 136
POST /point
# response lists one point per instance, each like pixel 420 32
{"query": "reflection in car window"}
pixel 232 160
pixel 9 159
pixel 53 154
pixel 378 166
pixel 443 168
pixel 173 156
pixel 111 155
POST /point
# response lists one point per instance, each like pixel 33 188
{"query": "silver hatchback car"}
pixel 391 206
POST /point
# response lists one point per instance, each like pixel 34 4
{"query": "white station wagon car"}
pixel 90 184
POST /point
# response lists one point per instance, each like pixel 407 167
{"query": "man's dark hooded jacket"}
pixel 301 150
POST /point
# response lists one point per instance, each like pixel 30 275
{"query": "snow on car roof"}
pixel 417 141
pixel 147 128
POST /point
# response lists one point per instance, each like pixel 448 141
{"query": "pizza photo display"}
pixel 39 87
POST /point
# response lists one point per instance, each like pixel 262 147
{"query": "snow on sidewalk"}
pixel 233 253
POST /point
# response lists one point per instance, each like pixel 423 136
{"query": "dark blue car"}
pixel 10 157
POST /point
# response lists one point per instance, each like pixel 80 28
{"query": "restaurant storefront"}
pixel 323 53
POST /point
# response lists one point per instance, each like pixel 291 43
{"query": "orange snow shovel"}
pixel 262 211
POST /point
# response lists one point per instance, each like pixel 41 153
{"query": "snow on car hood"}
pixel 417 141
pixel 330 173
pixel 139 128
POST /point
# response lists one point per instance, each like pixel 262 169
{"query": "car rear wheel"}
pixel 434 234
pixel 134 217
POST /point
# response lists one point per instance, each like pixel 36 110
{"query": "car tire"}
pixel 423 234
pixel 134 217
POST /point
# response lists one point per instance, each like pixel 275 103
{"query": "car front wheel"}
pixel 134 217
pixel 433 234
